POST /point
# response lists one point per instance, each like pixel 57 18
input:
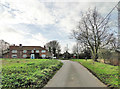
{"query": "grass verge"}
pixel 108 74
pixel 28 73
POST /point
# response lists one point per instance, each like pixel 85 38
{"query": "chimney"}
pixel 44 47
pixel 20 45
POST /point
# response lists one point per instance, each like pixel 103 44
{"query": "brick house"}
pixel 33 52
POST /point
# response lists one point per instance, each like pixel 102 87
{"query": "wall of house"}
pixel 20 52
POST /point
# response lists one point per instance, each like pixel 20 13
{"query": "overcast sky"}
pixel 36 22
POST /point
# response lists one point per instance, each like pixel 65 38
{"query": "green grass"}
pixel 106 73
pixel 28 72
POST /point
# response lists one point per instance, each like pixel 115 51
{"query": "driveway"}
pixel 73 74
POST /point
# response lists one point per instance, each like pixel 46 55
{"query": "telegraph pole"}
pixel 77 51
pixel 118 48
pixel 118 23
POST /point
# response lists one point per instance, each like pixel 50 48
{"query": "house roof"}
pixel 26 48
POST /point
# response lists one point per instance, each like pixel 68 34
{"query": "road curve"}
pixel 73 74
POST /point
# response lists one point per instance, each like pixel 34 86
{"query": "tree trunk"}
pixel 96 57
pixel 96 60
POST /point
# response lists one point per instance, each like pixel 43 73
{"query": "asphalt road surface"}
pixel 72 74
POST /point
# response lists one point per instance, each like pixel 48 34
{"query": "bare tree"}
pixel 66 53
pixel 66 49
pixel 53 47
pixel 93 31
pixel 114 43
pixel 77 49
pixel 3 47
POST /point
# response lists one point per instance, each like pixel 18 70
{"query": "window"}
pixel 24 51
pixel 43 51
pixel 24 56
pixel 37 51
pixel 32 51
pixel 14 51
pixel 43 55
pixel 14 56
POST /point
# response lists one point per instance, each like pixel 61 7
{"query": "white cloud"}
pixel 62 14
pixel 68 14
pixel 40 38
pixel 27 11
pixel 13 13
pixel 10 35
pixel 79 0
pixel 13 36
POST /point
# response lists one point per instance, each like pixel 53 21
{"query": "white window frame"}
pixel 43 51
pixel 24 51
pixel 43 56
pixel 14 55
pixel 14 51
pixel 24 56
pixel 37 51
pixel 32 51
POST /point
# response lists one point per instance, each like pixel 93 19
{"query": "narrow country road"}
pixel 72 74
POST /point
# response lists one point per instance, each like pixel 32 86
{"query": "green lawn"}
pixel 106 73
pixel 28 72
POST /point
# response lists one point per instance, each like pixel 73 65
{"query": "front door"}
pixel 32 56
